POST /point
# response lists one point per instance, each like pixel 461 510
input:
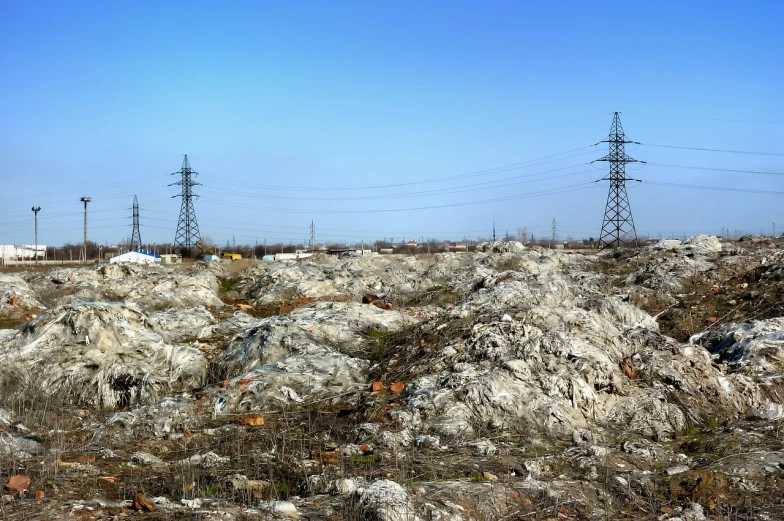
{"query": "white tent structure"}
pixel 136 257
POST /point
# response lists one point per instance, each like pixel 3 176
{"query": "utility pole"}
pixel 555 233
pixel 493 228
pixel 85 200
pixel 187 228
pixel 618 224
pixel 37 209
pixel 136 236
pixel 312 237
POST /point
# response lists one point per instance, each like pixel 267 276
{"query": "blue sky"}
pixel 293 111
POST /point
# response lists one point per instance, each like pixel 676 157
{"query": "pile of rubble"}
pixel 488 385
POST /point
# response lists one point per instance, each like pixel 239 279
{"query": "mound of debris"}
pixel 666 264
pixel 17 300
pixel 501 247
pixel 151 287
pixel 107 355
pixel 320 348
pixel 754 351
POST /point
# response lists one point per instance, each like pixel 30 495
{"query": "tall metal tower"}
pixel 85 200
pixel 136 236
pixel 618 224
pixel 555 233
pixel 187 227
pixel 37 209
pixel 312 237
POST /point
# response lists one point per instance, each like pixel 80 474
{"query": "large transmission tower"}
pixel 187 227
pixel 618 224
pixel 136 236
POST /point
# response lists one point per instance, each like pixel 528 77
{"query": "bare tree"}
pixel 522 234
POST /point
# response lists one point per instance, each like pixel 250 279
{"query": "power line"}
pixel 553 191
pixel 732 170
pixel 705 119
pixel 722 150
pixel 489 171
pixel 441 191
pixel 717 188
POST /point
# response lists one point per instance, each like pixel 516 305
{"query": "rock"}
pixel 693 512
pixel 141 503
pixel 427 441
pixel 147 459
pixel 86 458
pixel 17 446
pixel 252 420
pixel 483 448
pixel 367 299
pixel 191 503
pixel 5 417
pixel 254 486
pixel 285 509
pixel 17 483
pixel 327 457
pixel 385 500
pixel 204 461
pixel 397 387
pixel 627 366
pixel 489 476
pixel 377 386
pixel 346 486
pixel 677 469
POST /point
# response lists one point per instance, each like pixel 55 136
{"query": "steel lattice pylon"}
pixel 136 236
pixel 187 227
pixel 618 224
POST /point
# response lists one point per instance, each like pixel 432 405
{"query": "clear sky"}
pixel 293 111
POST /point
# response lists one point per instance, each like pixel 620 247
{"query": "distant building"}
pixel 170 258
pixel 23 252
pixel 136 257
pixel 455 246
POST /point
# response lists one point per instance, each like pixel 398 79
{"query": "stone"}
pixel 17 483
pixel 141 503
pixel 677 469
pixel 252 420
pixel 397 387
